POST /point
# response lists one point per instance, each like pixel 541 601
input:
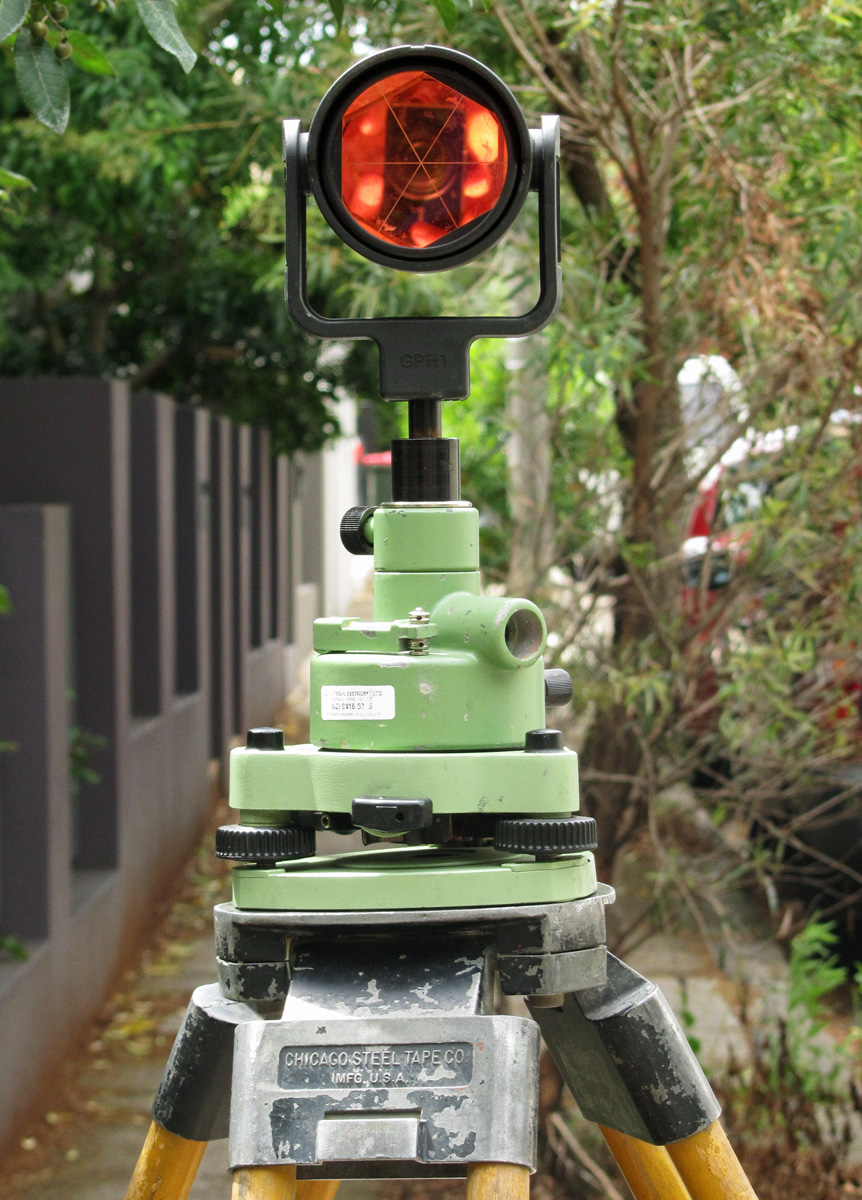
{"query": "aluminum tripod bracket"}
pixel 396 1096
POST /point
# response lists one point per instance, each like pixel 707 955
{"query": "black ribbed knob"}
pixel 263 843
pixel 264 738
pixel 540 741
pixel 545 835
pixel 353 523
pixel 558 687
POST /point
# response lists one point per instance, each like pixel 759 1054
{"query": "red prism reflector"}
pixel 419 159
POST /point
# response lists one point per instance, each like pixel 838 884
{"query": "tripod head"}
pixel 427 722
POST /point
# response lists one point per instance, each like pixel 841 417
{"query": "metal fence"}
pixel 164 569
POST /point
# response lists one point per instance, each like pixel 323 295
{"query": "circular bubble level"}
pixel 419 158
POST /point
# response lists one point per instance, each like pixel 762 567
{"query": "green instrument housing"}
pixel 430 701
pixel 272 787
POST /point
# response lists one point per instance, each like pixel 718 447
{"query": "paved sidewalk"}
pixel 86 1145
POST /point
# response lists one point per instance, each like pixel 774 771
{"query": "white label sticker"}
pixel 357 703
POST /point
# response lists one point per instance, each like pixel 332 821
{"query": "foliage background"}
pixel 711 157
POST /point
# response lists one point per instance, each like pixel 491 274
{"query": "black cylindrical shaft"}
pixel 425 418
pixel 426 469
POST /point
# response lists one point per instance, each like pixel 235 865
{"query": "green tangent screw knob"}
pixel 545 836
pixel 263 843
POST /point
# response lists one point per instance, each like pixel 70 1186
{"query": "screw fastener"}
pixel 418 645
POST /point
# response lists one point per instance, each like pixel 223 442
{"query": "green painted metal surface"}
pixel 422 554
pixel 396 593
pixel 345 635
pixel 308 779
pixel 432 705
pixel 407 879
pixel 479 684
pixel 432 538
pixel 442 700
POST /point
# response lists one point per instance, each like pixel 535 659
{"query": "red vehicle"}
pixel 723 520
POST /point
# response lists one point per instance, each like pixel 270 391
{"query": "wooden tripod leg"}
pixel 647 1169
pixel 497 1181
pixel 709 1168
pixel 316 1189
pixel 264 1183
pixel 167 1166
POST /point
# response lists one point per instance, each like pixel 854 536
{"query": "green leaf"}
pixel 337 9
pixel 85 54
pixel 447 12
pixel 161 22
pixel 5 600
pixel 42 81
pixel 13 13
pixel 10 179
pixel 11 947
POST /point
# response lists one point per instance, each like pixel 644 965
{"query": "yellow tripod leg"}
pixel 709 1168
pixel 497 1181
pixel 167 1166
pixel 316 1189
pixel 648 1170
pixel 264 1183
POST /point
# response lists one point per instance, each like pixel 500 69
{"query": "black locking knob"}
pixel 263 843
pixel 558 687
pixel 352 530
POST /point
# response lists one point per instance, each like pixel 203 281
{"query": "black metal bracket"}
pixel 193 1100
pixel 391 815
pixel 626 1060
pixel 425 357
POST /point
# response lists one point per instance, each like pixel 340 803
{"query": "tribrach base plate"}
pixel 410 878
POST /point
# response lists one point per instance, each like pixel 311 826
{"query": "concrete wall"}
pixel 343 573
pixel 164 569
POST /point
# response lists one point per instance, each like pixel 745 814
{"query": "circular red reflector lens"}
pixel 419 159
